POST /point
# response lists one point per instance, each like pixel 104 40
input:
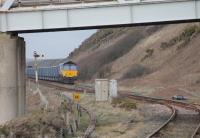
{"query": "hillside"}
pixel 106 46
pixel 155 56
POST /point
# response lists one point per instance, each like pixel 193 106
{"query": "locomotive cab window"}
pixel 70 67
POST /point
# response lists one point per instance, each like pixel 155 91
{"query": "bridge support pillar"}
pixel 12 77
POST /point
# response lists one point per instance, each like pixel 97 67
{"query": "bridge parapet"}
pixel 7 4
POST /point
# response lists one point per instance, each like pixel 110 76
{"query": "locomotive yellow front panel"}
pixel 70 73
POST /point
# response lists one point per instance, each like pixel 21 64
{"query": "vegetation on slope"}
pixel 100 63
pixel 98 39
pixel 184 38
pixel 136 71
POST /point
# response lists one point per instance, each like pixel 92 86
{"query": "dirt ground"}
pixel 112 121
pixel 192 94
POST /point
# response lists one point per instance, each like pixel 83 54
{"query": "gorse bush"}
pixel 184 38
pixel 149 53
pixel 190 31
pixel 136 71
pixel 128 104
pixel 104 72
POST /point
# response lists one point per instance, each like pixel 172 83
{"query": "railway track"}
pixel 92 116
pixel 173 115
pixel 62 86
pixel 179 126
pixel 168 103
pixel 196 133
pixel 175 119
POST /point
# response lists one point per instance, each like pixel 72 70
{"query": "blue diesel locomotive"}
pixel 65 72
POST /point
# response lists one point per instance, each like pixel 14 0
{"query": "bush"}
pixel 4 131
pixel 87 71
pixel 149 53
pixel 184 37
pixel 136 71
pixel 128 104
pixel 104 72
pixel 172 42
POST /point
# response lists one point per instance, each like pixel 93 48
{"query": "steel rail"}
pixel 63 86
pixel 167 101
pixel 170 102
pixel 161 101
pixel 196 132
pixel 173 115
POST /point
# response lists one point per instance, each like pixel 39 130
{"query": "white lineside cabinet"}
pixel 113 88
pixel 101 89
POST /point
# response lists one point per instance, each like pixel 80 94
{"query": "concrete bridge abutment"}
pixel 12 77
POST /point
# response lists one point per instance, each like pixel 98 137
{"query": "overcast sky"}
pixel 54 44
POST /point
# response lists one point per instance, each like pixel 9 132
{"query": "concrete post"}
pixel 21 65
pixel 12 73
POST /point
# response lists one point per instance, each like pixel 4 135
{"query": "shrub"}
pixel 149 53
pixel 197 81
pixel 173 41
pixel 136 71
pixel 128 104
pixel 185 37
pixel 87 71
pixel 104 72
pixel 4 131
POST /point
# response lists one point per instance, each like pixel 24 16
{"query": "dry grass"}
pixel 33 125
pixel 128 104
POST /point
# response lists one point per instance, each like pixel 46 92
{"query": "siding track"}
pixel 175 118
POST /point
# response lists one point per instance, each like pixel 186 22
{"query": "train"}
pixel 66 72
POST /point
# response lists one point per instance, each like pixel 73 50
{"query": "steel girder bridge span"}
pixel 54 15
